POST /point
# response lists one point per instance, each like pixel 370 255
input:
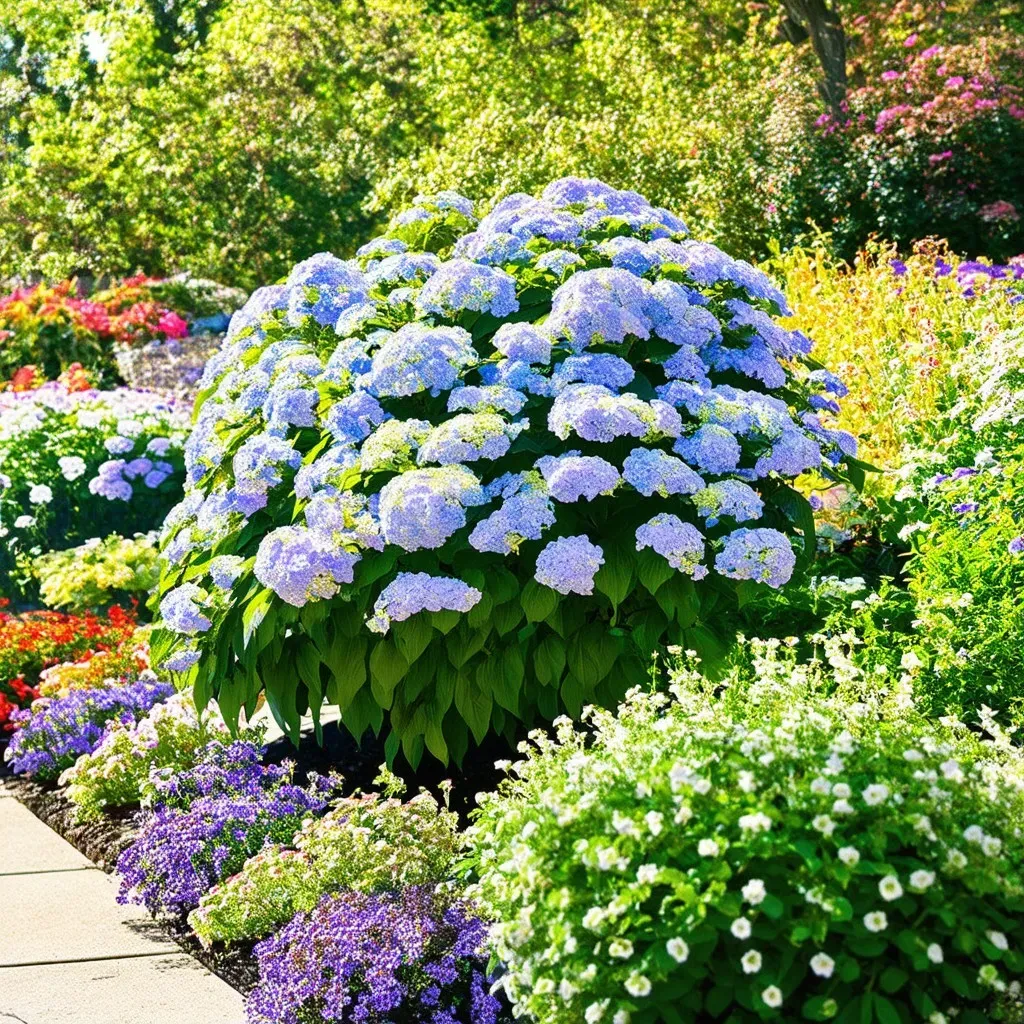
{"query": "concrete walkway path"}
pixel 69 954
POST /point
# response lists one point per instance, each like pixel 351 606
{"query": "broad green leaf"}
pixel 538 601
pixel 549 660
pixel 412 637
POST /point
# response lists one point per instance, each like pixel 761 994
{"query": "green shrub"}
pixel 98 573
pixel 772 853
pixel 364 843
pixel 116 774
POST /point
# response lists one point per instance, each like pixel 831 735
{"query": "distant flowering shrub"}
pixel 483 466
pixel 769 854
pixel 412 955
pixel 53 326
pixel 169 738
pixel 52 734
pixel 98 572
pixel 74 465
pixel 929 146
pixel 364 843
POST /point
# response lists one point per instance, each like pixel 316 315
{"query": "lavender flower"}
pixel 179 609
pixel 599 307
pixel 301 565
pixel 413 955
pixel 712 448
pixel 467 438
pixel 423 508
pixel 569 565
pixel 573 476
pixel 651 470
pixel 419 358
pixel 461 285
pixel 53 733
pixel 728 498
pixel 522 516
pixel 523 342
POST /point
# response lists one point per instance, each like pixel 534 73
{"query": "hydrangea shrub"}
pixel 479 472
pixel 773 854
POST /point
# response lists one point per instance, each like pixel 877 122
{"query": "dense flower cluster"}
pixel 766 850
pixel 234 807
pixel 365 843
pixel 52 735
pixel 369 956
pixel 77 464
pixel 560 374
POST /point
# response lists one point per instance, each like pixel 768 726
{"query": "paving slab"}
pixel 26 844
pixel 71 915
pixel 165 989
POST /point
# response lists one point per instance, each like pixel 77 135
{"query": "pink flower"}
pixel 999 211
pixel 911 40
pixel 172 325
pixel 932 51
pixel 938 158
pixel 889 76
pixel 955 82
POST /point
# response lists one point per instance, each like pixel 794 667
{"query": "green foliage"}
pixel 116 774
pixel 773 852
pixel 98 573
pixel 364 843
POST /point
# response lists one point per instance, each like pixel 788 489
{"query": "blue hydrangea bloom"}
pixel 487 398
pixel 569 565
pixel 409 593
pixel 728 498
pixel 461 284
pixel 523 343
pixel 301 565
pixel 558 261
pixel 424 507
pixel 399 269
pixel 257 464
pixel 322 287
pixel 419 358
pixel 522 516
pixel 763 555
pixel 599 307
pixel 594 368
pixel 596 413
pixel 467 438
pixel 573 476
pixel 652 471
pixel 680 544
pixel 179 609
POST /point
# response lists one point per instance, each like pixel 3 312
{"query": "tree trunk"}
pixel 825 29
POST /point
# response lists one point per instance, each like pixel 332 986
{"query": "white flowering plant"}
pixel 77 464
pixel 475 475
pixel 769 853
pixel 172 736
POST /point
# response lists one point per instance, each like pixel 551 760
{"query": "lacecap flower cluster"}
pixel 500 387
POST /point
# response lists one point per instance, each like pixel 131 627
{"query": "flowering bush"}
pixel 767 854
pixel 98 572
pixel 123 662
pixel 74 465
pixel 34 640
pixel 116 773
pixel 439 463
pixel 54 732
pixel 410 955
pixel 365 843
pixel 930 145
pixel 238 807
pixel 52 327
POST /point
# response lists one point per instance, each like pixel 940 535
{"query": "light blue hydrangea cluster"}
pixel 410 593
pixel 379 404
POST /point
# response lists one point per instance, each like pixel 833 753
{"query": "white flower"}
pixel 956 859
pixel 876 921
pixel 934 952
pixel 741 928
pixel 595 1012
pixel 751 961
pixel 876 794
pixel 544 987
pixel 746 782
pixel 842 790
pixel 952 771
pixel 23 522
pixel 998 939
pixel 974 834
pixel 593 919
pixel 625 826
pixel 849 855
pixel 823 965
pixel 621 1017
pixel 772 996
pixel 821 786
pixel 842 807
pixel 678 950
pixel 913 755
pixel 824 824
pixel 910 661
pixel 607 858
pixel 754 891
pixel 71 466
pixel 937 1018
pixel 621 949
pixel 638 985
pixel 758 822
pixel 991 846
pixel 566 989
pixel 922 880
pixel 890 888
pixel 655 822
pixel 647 874
pixel 707 848
pixel 40 494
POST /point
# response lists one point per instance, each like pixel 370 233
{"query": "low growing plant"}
pixel 781 851
pixel 364 843
pixel 52 734
pixel 477 475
